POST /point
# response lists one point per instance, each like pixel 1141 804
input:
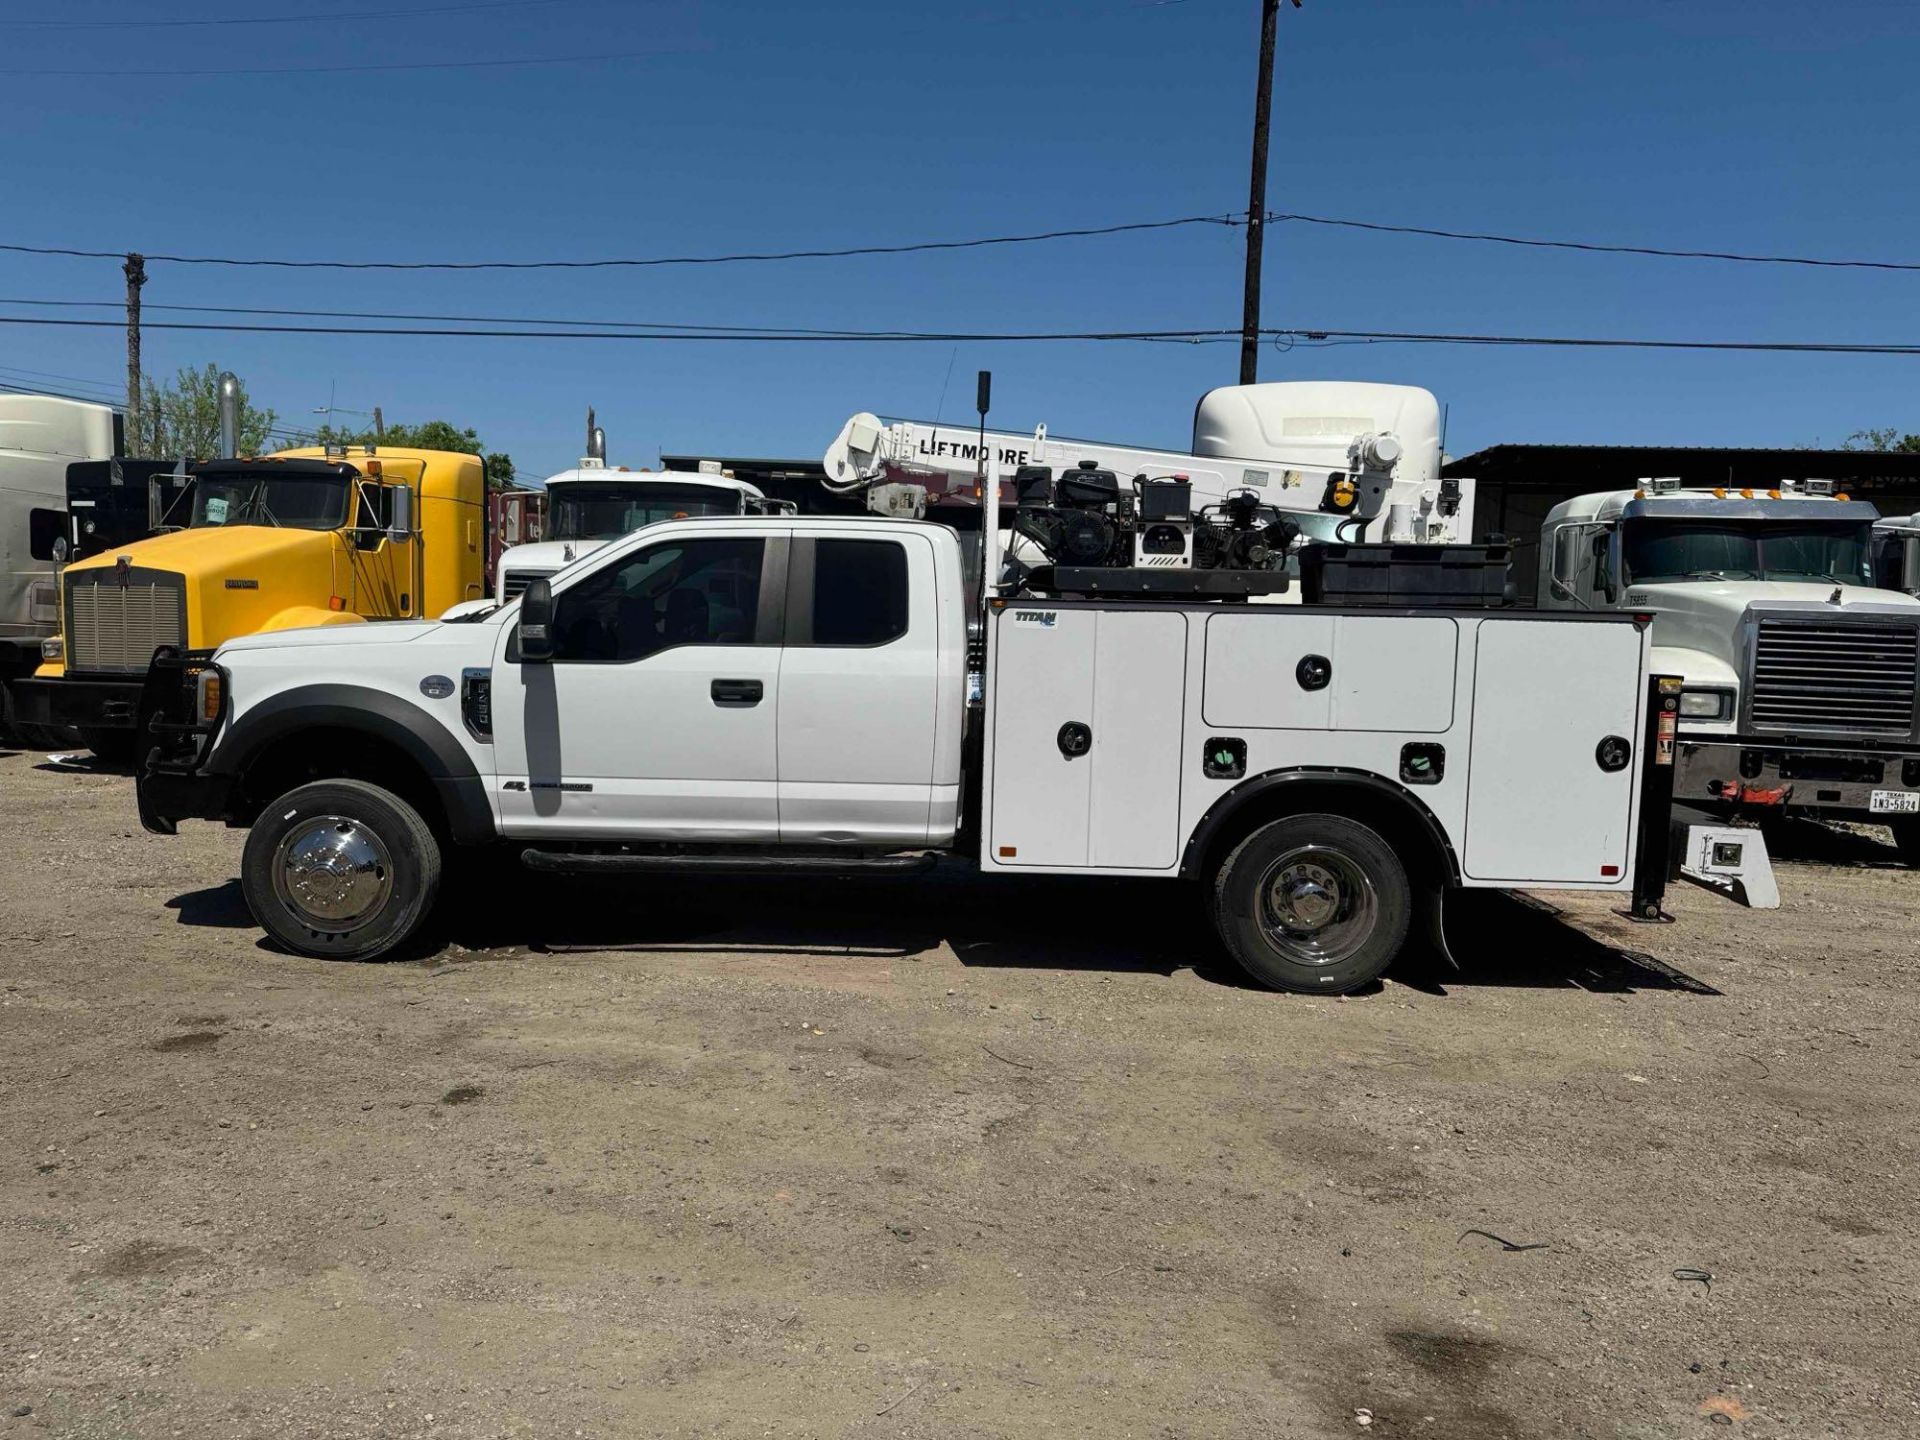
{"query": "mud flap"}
pixel 1731 862
pixel 1433 907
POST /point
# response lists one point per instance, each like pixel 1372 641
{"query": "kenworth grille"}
pixel 1835 676
pixel 116 618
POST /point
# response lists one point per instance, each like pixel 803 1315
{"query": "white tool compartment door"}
pixel 1540 810
pixel 1139 700
pixel 1043 679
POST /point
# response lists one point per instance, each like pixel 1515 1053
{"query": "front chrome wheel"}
pixel 333 873
pixel 1317 905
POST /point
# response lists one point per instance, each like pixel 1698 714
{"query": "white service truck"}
pixel 40 436
pixel 795 694
pixel 1800 675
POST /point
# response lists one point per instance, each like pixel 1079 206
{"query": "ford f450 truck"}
pixel 755 693
pixel 1799 674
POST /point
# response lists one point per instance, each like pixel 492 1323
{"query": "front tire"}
pixel 340 870
pixel 1315 904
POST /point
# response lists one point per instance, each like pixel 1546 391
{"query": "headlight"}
pixel 54 647
pixel 1706 704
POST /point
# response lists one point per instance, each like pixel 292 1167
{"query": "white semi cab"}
pixel 780 693
pixel 1800 675
pixel 40 436
pixel 595 503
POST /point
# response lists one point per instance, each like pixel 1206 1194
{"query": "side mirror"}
pixel 400 518
pixel 1602 568
pixel 536 622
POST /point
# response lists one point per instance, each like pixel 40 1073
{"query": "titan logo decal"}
pixel 1045 619
pixel 576 787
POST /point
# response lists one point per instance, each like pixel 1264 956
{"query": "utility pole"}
pixel 379 427
pixel 136 269
pixel 1257 194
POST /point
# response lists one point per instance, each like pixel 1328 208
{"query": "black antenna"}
pixel 983 401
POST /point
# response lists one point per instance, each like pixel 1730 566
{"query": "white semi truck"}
pixel 40 436
pixel 1800 675
pixel 744 694
pixel 595 503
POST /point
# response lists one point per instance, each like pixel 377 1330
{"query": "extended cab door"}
pixel 859 689
pixel 655 718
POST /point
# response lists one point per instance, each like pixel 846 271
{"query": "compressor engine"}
pixel 1086 519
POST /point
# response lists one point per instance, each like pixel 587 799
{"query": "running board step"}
pixel 570 862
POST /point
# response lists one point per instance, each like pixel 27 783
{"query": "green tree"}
pixel 1886 438
pixel 182 418
pixel 428 435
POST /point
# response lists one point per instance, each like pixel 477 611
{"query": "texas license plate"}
pixel 1895 802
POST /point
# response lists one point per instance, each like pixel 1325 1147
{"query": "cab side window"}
pixel 679 592
pixel 859 592
pixel 376 513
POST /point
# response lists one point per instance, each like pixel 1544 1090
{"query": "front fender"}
pixel 413 731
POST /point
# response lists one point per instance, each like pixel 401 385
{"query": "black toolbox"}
pixel 1473 577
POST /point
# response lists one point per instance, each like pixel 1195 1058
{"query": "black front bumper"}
pixel 78 700
pixel 172 783
pixel 169 796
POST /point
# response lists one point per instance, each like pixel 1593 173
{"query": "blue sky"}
pixel 751 124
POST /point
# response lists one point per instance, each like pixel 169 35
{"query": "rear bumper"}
pixel 1731 776
pixel 79 701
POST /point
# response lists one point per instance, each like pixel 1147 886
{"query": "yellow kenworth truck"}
pixel 276 542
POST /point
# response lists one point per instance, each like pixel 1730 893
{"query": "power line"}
pixel 1191 337
pixel 1594 246
pixel 251 70
pixel 304 19
pixel 445 319
pixel 642 262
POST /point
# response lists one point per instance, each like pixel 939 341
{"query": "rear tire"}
pixel 113 746
pixel 1315 904
pixel 1906 839
pixel 340 870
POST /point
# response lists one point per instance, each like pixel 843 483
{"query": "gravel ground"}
pixel 941 1158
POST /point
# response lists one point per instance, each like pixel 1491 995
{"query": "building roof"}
pixel 1605 467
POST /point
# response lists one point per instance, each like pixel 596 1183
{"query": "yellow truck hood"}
pixel 215 551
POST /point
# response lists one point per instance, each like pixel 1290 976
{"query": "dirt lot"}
pixel 951 1158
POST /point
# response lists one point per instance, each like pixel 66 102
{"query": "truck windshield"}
pixel 606 512
pixel 1667 550
pixel 297 502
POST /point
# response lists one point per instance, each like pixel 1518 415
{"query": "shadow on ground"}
pixel 1051 922
pixel 1814 842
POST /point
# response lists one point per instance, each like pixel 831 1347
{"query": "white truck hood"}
pixel 547 556
pixel 1696 624
pixel 372 632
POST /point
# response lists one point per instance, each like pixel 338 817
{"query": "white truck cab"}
pixel 1800 675
pixel 730 694
pixel 40 436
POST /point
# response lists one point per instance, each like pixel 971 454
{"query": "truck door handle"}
pixel 737 694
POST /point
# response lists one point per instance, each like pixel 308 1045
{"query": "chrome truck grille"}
pixel 1833 676
pixel 116 618
pixel 515 581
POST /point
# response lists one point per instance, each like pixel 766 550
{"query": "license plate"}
pixel 1895 802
